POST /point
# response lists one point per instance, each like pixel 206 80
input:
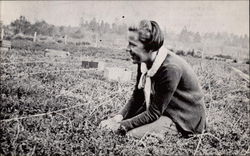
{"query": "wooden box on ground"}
pixel 4 49
pixel 56 53
pixel 101 65
pixel 93 64
pixel 89 64
pixel 117 74
pixel 5 45
pixel 85 64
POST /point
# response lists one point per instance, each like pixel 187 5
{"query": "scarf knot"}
pixel 145 79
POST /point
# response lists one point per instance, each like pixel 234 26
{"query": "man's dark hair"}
pixel 150 34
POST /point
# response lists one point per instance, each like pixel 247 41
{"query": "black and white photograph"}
pixel 124 78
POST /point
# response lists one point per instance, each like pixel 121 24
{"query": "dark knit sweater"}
pixel 175 93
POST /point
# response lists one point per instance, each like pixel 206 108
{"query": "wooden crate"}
pixel 4 49
pixel 85 64
pixel 5 44
pixel 89 64
pixel 101 65
pixel 117 74
pixel 56 53
pixel 93 64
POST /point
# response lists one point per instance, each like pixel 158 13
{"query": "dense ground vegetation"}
pixel 54 108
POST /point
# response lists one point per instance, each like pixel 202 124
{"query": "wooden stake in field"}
pixel 2 33
pixel 34 38
pixel 238 56
pixel 65 39
pixel 96 40
pixel 202 54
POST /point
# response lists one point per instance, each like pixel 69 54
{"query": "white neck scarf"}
pixel 145 80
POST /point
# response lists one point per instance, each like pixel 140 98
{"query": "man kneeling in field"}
pixel 167 96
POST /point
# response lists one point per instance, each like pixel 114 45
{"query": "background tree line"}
pixel 22 25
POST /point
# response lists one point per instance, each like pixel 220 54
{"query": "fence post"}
pixel 65 39
pixel 238 56
pixel 202 54
pixel 2 33
pixel 34 38
pixel 96 40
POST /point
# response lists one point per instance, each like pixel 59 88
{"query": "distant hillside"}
pixel 103 34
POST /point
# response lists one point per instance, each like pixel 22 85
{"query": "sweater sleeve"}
pixel 136 100
pixel 167 80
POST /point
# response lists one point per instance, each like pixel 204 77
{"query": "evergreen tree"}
pixel 184 35
pixel 21 25
pixel 197 37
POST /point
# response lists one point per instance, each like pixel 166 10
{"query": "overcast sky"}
pixel 201 16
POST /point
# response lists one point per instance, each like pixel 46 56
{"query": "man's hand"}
pixel 104 123
pixel 112 123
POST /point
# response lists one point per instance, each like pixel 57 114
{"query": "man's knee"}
pixel 135 133
pixel 162 125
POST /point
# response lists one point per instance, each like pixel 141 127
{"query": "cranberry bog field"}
pixel 52 106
